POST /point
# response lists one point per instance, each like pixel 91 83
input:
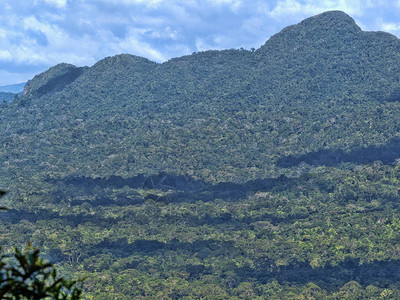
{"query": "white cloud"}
pixel 148 3
pixel 203 45
pixel 56 3
pixel 179 49
pixel 390 27
pixel 32 23
pixel 3 33
pixel 132 44
pixel 233 4
pixel 5 55
pixel 311 7
pixel 164 33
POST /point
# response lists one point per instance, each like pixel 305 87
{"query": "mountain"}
pixel 53 80
pixel 234 173
pixel 13 88
pixel 8 92
pixel 302 90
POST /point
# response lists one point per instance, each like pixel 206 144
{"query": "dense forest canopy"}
pixel 235 173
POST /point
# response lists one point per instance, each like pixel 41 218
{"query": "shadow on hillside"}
pixel 183 188
pixel 176 188
pixel 382 273
pixel 104 192
pixel 162 181
pixel 58 83
pixel 202 248
pixel 180 189
pixel 15 216
pixel 387 154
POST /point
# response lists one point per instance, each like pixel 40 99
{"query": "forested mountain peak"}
pixel 330 31
pixel 329 52
pixel 53 80
pixel 317 52
pixel 331 21
pixel 62 75
pixel 123 61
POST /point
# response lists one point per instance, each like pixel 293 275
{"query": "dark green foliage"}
pixel 329 227
pixel 27 276
pixel 6 97
pixel 52 81
pixel 31 278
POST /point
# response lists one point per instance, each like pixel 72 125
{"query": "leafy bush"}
pixel 27 276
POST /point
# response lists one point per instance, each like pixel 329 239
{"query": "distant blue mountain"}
pixel 7 97
pixel 13 88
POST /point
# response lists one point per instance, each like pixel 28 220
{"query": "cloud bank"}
pixel 37 34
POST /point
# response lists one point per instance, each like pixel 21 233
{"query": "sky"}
pixel 38 34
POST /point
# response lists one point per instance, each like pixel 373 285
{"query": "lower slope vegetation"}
pixel 329 233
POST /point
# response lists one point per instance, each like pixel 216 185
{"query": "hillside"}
pixel 235 173
pixel 6 97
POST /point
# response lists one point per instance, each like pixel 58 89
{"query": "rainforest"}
pixel 272 173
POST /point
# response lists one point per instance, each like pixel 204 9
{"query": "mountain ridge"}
pixel 13 88
pixel 309 33
pixel 228 93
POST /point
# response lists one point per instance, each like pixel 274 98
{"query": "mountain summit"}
pixel 329 50
pixel 337 21
pixel 328 31
pixel 333 29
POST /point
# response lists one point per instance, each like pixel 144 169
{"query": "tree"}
pixel 27 276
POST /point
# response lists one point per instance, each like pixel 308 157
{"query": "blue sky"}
pixel 37 34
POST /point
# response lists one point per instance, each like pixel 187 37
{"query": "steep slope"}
pixel 52 81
